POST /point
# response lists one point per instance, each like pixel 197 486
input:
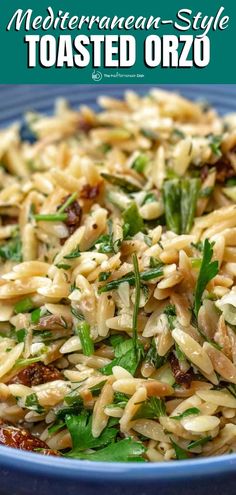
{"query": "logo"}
pixel 96 75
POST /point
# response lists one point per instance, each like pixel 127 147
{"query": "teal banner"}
pixel 179 41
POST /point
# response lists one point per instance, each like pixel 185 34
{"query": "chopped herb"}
pixel 57 426
pixel 215 143
pixel 198 245
pixel 206 192
pixel 208 271
pixel 121 182
pixel 180 453
pixel 74 406
pixel 149 198
pixel 127 356
pixel 96 389
pixel 140 163
pixel 130 278
pixel 151 409
pixel 105 242
pixel 24 306
pixel 120 400
pixel 152 356
pixel 180 199
pixel 105 147
pixel 63 266
pixel 83 330
pixel 103 276
pixel 32 403
pixel 136 302
pixel 231 182
pixel 188 412
pixel 76 314
pixel 73 254
pixel 21 334
pixel 132 220
pixel 12 250
pixel 199 443
pixel 26 362
pixel 35 315
pixel 179 354
pixel 126 450
pixel 68 202
pixel 154 263
pixel 149 133
pixel 51 217
pixel 170 312
pixel 178 133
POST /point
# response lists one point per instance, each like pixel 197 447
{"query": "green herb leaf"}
pixel 35 315
pixel 68 202
pixel 180 453
pixel 208 271
pixel 12 250
pixel 188 412
pixel 140 163
pixel 21 334
pixel 32 403
pixel 63 266
pixel 24 306
pixel 153 357
pixel 121 182
pixel 130 278
pixel 129 359
pixel 199 443
pixel 180 199
pixel 151 409
pixel 127 450
pixel 103 276
pixel 170 312
pixel 83 331
pixel 51 217
pixel 73 254
pixel 136 302
pixel 96 389
pixel 215 143
pixel 80 428
pixel 132 220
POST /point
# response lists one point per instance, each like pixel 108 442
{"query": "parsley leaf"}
pixel 32 403
pixel 11 250
pixel 208 271
pixel 137 301
pixel 121 182
pixel 188 412
pixel 199 443
pixel 80 428
pixel 151 409
pixel 180 199
pixel 180 453
pixel 126 450
pixel 132 220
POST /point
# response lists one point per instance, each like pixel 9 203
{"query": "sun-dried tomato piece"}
pixel 74 215
pixel 90 192
pixel 20 438
pixel 36 374
pixel 84 125
pixel 224 171
pixel 181 377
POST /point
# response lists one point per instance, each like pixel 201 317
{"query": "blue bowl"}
pixel 25 473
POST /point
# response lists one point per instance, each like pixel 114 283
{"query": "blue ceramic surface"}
pixel 23 473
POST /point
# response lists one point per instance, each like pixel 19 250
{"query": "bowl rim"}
pixel 34 463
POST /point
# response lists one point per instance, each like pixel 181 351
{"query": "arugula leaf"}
pixel 188 412
pixel 32 403
pixel 121 182
pixel 12 249
pixel 208 271
pixel 151 409
pixel 180 453
pixel 80 428
pixel 126 450
pixel 199 443
pixel 136 302
pixel 130 278
pixel 132 220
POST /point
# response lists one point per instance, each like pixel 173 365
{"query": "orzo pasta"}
pixel 117 281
